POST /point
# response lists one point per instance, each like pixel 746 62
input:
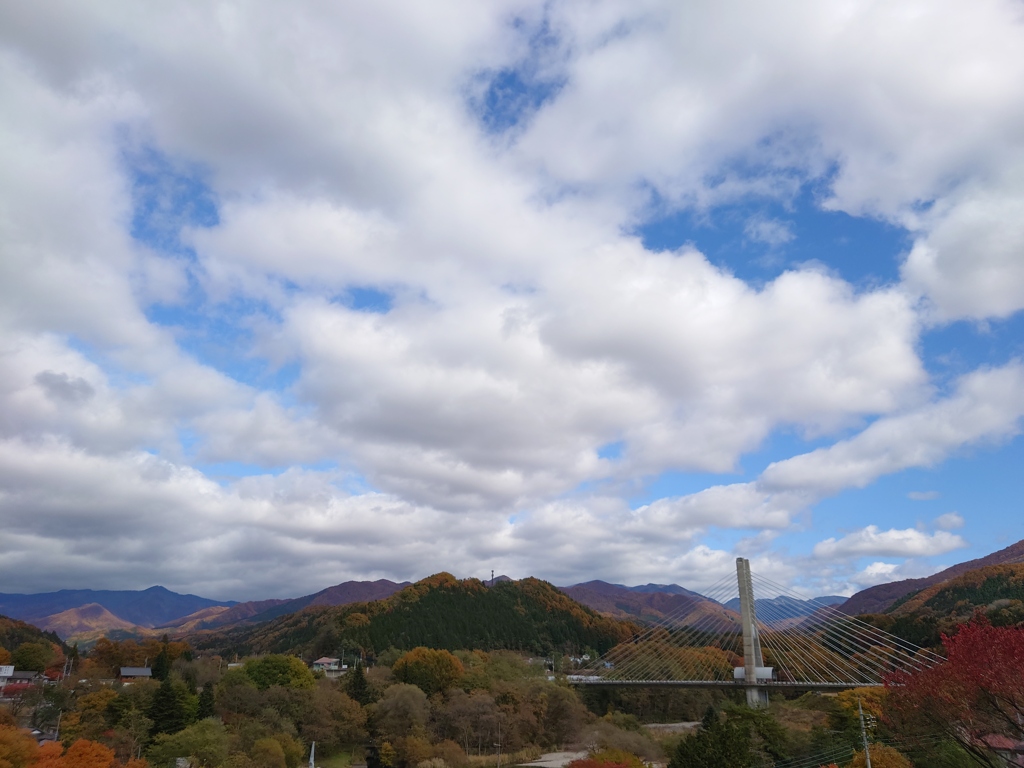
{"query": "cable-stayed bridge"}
pixel 768 643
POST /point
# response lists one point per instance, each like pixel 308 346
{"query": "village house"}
pixel 128 674
pixel 330 667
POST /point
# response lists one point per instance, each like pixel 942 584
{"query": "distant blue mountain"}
pixel 784 607
pixel 668 589
pixel 151 607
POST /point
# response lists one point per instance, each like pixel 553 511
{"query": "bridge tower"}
pixel 753 664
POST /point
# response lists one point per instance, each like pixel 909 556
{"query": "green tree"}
pixel 169 709
pixel 718 743
pixel 207 702
pixel 206 742
pixel 356 685
pixel 402 711
pixel 162 664
pixel 276 669
pixel 32 657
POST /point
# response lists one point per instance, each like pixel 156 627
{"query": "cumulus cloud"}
pixel 880 572
pixel 871 542
pixel 985 407
pixel 517 326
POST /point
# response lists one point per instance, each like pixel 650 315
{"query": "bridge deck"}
pixel 792 686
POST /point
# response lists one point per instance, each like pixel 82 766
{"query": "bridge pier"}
pixel 757 698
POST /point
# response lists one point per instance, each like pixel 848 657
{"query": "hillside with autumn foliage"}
pixel 922 617
pixel 439 612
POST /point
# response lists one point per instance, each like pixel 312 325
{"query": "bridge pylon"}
pixel 753 663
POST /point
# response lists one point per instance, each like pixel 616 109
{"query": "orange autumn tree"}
pixel 88 754
pixel 17 748
pixel 50 755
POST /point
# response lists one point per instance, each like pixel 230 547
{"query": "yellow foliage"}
pixel 5 656
pixel 17 748
pixel 882 756
pixel 97 701
pixel 619 757
pixel 267 753
pixel 414 749
pixel 387 754
pixel 871 699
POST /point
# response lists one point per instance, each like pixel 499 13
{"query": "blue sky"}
pixel 621 291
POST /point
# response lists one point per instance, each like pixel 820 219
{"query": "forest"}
pixel 457 674
pixel 437 708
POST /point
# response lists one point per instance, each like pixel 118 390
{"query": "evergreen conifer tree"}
pixel 206 702
pixel 716 744
pixel 167 710
pixel 357 687
pixel 162 664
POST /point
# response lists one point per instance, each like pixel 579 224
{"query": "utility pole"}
pixel 864 734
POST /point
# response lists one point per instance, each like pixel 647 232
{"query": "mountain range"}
pixel 649 603
pixel 148 608
pixel 85 615
pixel 527 615
pixel 878 598
pixel 785 609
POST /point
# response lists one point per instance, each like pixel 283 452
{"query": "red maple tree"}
pixel 975 697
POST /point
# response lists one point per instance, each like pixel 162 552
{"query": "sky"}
pixel 297 293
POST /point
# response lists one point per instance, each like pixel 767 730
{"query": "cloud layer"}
pixel 287 286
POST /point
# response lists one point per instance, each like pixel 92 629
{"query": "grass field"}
pixel 337 760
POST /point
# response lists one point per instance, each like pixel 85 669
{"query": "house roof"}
pixel 136 672
pixel 24 675
pixel 326 660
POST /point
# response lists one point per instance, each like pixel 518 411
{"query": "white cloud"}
pixel 525 329
pixel 769 231
pixel 872 542
pixel 880 572
pixel 986 407
pixel 923 495
pixel 949 521
pixel 968 262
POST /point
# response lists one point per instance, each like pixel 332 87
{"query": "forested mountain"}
pixel 221 616
pixel 880 597
pixel 648 603
pixel 88 618
pixel 921 617
pixel 340 594
pixel 439 612
pixel 258 611
pixel 14 632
